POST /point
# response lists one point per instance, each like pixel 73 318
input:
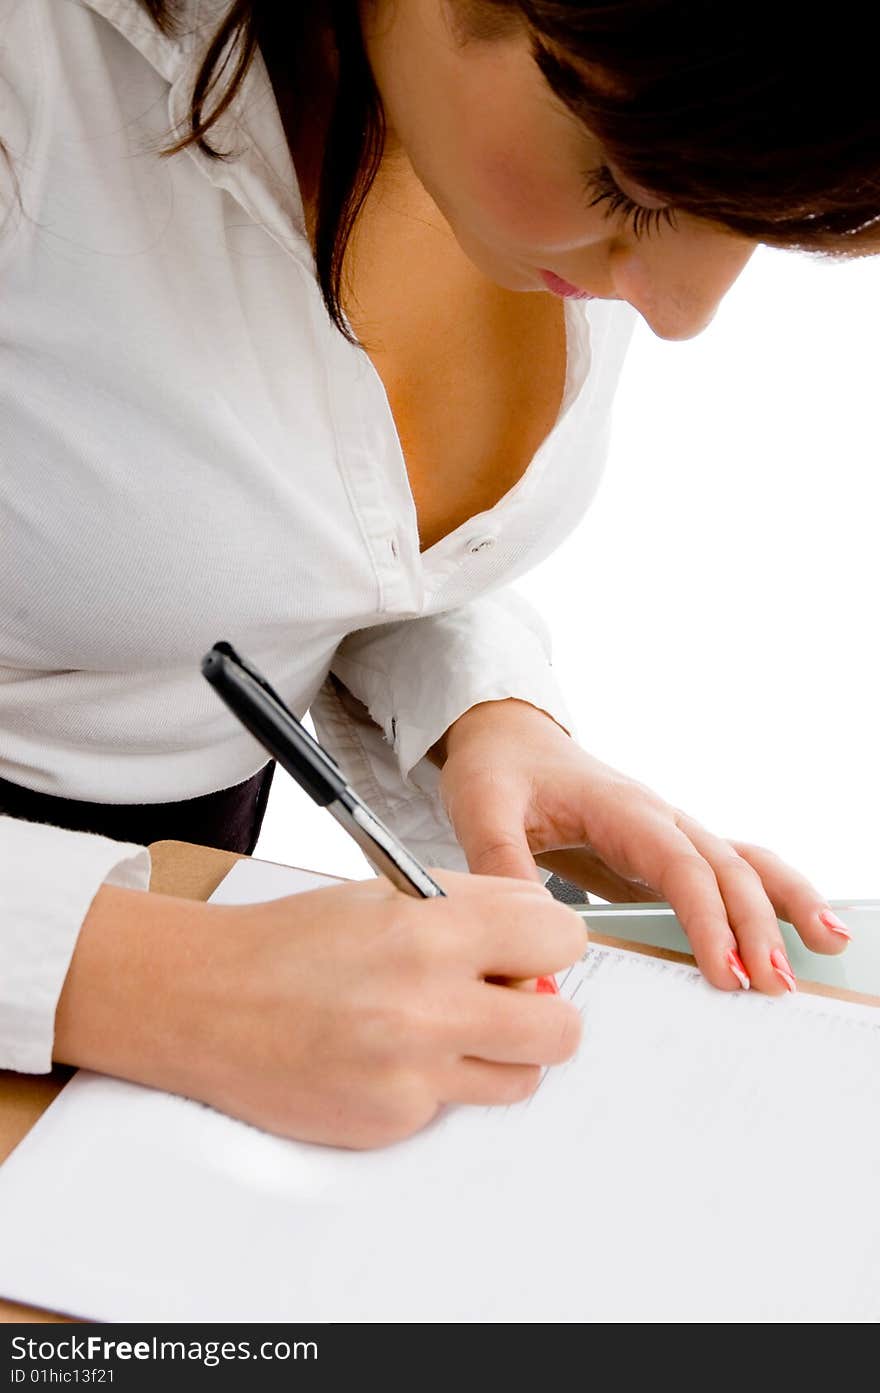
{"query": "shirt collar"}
pixel 166 53
pixel 258 171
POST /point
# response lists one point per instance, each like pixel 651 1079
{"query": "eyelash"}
pixel 601 186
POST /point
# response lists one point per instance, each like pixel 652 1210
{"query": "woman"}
pixel 312 317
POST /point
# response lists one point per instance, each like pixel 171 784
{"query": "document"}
pixel 706 1157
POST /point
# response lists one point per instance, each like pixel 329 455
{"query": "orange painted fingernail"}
pixel 738 968
pixel 831 921
pixel 547 985
pixel 782 968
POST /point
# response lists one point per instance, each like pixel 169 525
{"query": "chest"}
pixel 474 374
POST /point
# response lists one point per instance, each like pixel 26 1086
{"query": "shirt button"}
pixel 475 544
pixel 395 551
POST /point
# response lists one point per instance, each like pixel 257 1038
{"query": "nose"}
pixel 678 278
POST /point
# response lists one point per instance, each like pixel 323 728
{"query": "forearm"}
pixel 141 986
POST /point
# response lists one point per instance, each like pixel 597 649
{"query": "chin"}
pixel 513 280
pixel 523 282
pixel 501 273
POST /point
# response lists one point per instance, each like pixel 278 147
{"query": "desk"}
pixel 190 872
pixel 195 872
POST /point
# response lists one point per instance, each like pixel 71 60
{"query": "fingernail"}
pixel 831 921
pixel 547 985
pixel 737 967
pixel 782 968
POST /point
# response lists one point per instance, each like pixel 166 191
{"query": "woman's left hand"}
pixel 517 787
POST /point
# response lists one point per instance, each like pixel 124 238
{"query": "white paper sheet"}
pixel 250 881
pixel 706 1157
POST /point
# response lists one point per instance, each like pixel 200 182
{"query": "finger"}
pixel 750 914
pixel 521 937
pixel 667 858
pixel 489 822
pixel 481 1082
pixel 513 1027
pixel 796 901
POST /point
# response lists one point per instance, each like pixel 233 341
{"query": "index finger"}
pixel 519 937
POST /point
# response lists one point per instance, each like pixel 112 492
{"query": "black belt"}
pixel 229 819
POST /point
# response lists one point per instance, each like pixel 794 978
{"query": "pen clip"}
pixel 227 651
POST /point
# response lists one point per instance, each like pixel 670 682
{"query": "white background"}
pixel 714 614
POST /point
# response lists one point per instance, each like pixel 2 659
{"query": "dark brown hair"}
pixel 289 36
pixel 757 116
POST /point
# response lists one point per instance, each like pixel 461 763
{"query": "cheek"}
pixel 522 201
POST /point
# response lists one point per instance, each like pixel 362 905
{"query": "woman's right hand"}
pixel 347 1015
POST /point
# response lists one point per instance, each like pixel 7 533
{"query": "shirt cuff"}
pixel 416 677
pixel 414 810
pixel 48 879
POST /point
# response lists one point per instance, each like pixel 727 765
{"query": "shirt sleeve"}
pixel 48 879
pixel 413 679
pixel 20 101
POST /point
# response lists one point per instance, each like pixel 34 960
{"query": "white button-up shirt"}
pixel 189 451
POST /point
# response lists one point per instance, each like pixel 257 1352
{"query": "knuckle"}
pixel 680 861
pixel 403 1106
pixel 413 946
pixel 493 858
pixel 634 796
pixel 383 1034
pixel 396 1029
pixel 735 865
pixel 370 1136
pixel 422 953
pixel 754 849
pixel 684 863
pixel 398 930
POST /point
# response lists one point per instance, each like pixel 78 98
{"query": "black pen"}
pixel 261 710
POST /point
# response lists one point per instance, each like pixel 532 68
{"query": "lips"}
pixel 560 287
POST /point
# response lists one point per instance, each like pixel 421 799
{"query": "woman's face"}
pixel 506 163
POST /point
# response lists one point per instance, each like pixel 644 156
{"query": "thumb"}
pixel 492 834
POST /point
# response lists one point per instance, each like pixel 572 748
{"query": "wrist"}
pixel 486 714
pixel 140 994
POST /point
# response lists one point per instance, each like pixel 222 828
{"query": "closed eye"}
pixel 601 188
